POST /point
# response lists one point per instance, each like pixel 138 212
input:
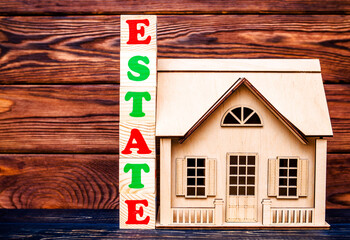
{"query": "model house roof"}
pixel 189 90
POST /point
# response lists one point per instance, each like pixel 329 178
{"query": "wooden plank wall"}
pixel 59 84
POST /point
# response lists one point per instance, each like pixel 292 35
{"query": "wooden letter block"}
pixel 137 104
pixel 137 211
pixel 138 68
pixel 137 176
pixel 139 137
pixel 138 32
pixel 138 72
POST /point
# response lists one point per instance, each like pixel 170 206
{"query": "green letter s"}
pixel 135 66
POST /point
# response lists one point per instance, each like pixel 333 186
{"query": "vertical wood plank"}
pixel 177 216
pixel 179 177
pixel 165 182
pixel 211 163
pixel 320 184
pixel 303 177
pixel 272 178
pixel 289 216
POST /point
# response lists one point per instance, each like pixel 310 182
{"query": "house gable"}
pixel 228 93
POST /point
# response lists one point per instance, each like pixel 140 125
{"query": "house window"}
pixel 288 176
pixel 242 175
pixel 195 177
pixel 241 116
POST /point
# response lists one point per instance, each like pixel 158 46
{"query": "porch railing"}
pixel 193 216
pixel 292 216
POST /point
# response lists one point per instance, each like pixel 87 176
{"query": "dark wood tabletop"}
pixel 103 224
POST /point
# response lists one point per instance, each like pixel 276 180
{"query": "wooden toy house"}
pixel 241 143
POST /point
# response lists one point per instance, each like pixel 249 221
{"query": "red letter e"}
pixel 132 212
pixel 133 31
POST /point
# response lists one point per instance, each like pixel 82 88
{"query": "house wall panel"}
pixel 270 141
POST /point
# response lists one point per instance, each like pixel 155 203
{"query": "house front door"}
pixel 241 188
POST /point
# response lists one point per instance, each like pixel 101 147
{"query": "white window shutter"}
pixel 303 177
pixel 180 177
pixel 211 177
pixel 272 188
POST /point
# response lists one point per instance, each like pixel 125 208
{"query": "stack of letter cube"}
pixel 138 71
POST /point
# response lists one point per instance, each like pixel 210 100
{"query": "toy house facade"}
pixel 241 143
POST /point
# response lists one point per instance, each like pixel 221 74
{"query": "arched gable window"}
pixel 241 116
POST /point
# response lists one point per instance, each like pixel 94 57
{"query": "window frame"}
pixel 288 177
pixel 240 124
pixel 228 185
pixel 205 177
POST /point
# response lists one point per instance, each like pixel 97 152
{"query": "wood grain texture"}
pixel 59 181
pixel 59 119
pixel 85 49
pixel 163 7
pixel 59 49
pixel 256 36
pixel 85 119
pixel 338 181
pixel 91 181
pixel 338 99
pixel 102 224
